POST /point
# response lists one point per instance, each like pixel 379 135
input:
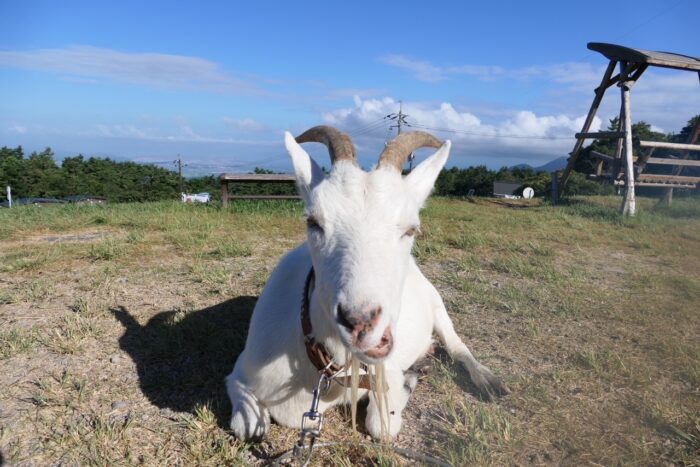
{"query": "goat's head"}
pixel 361 228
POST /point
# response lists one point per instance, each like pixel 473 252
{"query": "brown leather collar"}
pixel 316 351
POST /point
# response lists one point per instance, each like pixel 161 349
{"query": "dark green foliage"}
pixel 280 189
pixel 39 176
pixel 458 182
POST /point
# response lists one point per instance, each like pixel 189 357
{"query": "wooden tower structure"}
pixel 626 169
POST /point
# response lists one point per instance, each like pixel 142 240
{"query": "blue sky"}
pixel 219 82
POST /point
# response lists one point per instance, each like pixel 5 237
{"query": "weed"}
pixel 106 250
pixel 68 336
pixel 15 341
pixel 230 249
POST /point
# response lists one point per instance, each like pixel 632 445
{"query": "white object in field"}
pixel 198 198
pixel 528 193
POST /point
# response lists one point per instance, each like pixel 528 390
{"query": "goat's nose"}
pixel 359 322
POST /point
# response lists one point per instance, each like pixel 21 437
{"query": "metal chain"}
pixel 312 421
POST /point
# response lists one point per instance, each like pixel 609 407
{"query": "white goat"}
pixel 364 297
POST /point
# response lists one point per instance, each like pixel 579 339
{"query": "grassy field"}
pixel 119 322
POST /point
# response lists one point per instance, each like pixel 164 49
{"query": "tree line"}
pixel 38 174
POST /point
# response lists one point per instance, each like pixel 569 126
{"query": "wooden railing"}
pixel 227 179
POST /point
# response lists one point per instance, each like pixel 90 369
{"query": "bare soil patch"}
pixel 114 341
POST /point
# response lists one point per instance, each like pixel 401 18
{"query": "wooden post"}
pixel 600 91
pixel 616 165
pixel 555 187
pixel 224 194
pixel 629 203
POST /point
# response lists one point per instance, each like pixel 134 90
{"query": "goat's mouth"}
pixel 381 350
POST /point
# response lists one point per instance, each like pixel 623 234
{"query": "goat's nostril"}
pixel 342 319
pixel 374 314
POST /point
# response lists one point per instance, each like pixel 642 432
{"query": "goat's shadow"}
pixel 183 357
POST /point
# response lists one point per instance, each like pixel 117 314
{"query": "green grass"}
pixel 590 318
pixel 16 341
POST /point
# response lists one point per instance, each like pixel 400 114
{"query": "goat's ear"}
pixel 421 179
pixel 307 172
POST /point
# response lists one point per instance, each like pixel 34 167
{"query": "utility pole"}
pixel 401 120
pixel 180 165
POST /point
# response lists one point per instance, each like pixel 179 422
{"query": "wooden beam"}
pixel 665 161
pixel 600 155
pixel 663 144
pixel 256 178
pixel 601 134
pixel 600 91
pixel 667 178
pixel 659 185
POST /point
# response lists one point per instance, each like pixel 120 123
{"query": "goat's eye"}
pixel 412 231
pixel 312 224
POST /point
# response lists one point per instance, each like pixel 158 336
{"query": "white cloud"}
pixel 18 129
pixel 426 71
pixel 577 73
pixel 118 131
pixel 523 135
pixel 422 70
pixel 244 124
pixel 181 132
pixel 164 71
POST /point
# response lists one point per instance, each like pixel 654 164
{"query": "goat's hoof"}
pixel 489 385
pixel 374 426
pixel 248 428
pixel 410 381
pixel 422 366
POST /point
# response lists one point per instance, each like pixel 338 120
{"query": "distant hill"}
pixel 556 164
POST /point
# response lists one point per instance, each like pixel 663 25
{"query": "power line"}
pixel 379 124
pixel 400 119
pixel 649 20
pixel 367 126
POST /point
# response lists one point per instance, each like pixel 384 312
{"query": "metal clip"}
pixel 312 421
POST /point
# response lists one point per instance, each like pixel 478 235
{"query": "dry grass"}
pixel 118 323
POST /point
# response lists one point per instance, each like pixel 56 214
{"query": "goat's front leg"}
pixel 400 388
pixel 250 419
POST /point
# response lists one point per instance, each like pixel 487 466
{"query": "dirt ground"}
pixel 118 325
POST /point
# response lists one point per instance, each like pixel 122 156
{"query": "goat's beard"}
pixel 379 390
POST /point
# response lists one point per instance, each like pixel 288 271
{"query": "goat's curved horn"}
pixel 338 143
pixel 397 151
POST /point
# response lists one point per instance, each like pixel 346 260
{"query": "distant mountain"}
pixel 556 164
pixel 522 166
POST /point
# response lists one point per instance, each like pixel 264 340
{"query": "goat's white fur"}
pixel 361 257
